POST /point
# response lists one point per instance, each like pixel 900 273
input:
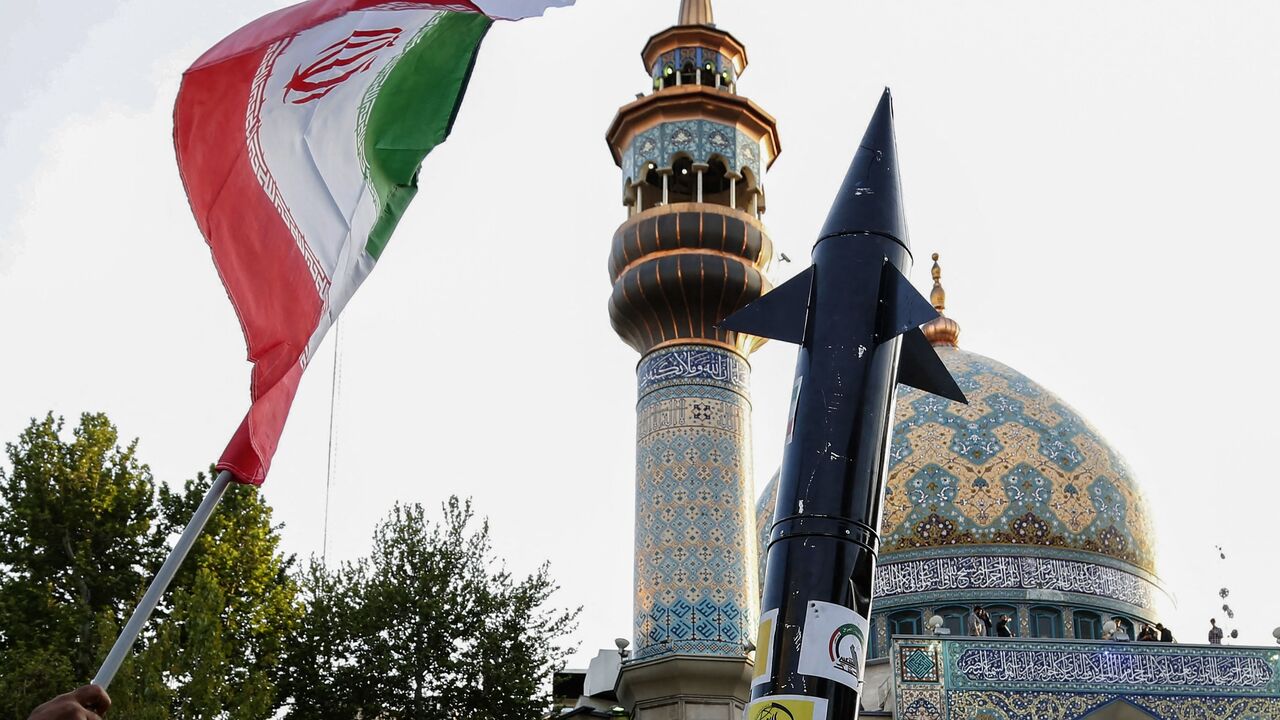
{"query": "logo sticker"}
pixel 787 707
pixel 764 648
pixel 834 644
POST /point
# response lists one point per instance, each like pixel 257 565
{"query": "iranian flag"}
pixel 299 139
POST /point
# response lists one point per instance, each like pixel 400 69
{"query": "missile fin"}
pixel 781 314
pixel 920 367
pixel 902 307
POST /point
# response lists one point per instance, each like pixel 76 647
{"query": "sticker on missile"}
pixel 764 648
pixel 787 707
pixel 834 644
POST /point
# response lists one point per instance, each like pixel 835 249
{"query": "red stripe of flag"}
pixel 266 278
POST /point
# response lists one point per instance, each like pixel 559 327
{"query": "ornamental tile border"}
pixel 1018 551
pixel 693 364
pixel 977 664
pixel 1007 572
pixel 1068 680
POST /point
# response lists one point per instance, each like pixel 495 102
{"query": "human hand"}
pixel 86 703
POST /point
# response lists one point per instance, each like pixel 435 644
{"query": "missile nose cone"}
pixel 870 199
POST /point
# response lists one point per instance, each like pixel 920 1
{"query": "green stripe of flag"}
pixel 413 112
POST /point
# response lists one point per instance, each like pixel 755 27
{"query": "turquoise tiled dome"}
pixel 1017 466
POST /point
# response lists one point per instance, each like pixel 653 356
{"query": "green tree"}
pixel 235 597
pixel 318 673
pixel 433 627
pixel 82 531
pixel 140 690
pixel 78 533
pixel 202 659
pixel 514 653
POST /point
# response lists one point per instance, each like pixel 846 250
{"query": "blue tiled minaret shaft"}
pixel 692 251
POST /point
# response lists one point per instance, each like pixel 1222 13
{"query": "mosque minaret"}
pixel 693 154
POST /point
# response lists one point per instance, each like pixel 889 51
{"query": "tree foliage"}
pixel 234 604
pixel 428 625
pixel 82 531
pixel 78 529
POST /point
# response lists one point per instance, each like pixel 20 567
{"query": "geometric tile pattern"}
pixel 764 520
pixel 1015 466
pixel 919 664
pixel 695 563
pixel 700 140
pixel 922 705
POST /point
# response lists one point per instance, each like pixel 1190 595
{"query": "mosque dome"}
pixel 1016 466
pixel 1013 500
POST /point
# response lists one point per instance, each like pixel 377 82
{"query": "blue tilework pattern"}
pixel 1016 466
pixel 997 705
pixel 976 574
pixel 695 579
pixel 987 679
pixel 920 664
pixel 701 140
pixel 764 520
pixel 693 365
pixel 676 59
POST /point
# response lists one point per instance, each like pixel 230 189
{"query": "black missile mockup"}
pixel 857 321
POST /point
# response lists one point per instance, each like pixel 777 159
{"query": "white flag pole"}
pixel 124 643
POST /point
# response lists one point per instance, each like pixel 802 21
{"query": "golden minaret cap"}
pixel 696 12
pixel 941 330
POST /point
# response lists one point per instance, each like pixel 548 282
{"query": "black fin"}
pixel 780 314
pixel 902 307
pixel 921 368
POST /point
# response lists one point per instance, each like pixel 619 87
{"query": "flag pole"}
pixel 124 643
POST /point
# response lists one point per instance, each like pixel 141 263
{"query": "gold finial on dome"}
pixel 941 330
pixel 696 12
pixel 937 296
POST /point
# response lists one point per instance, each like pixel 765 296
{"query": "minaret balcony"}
pixel 687 50
pixel 701 122
pixel 678 269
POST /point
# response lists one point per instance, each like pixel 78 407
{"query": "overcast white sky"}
pixel 1100 178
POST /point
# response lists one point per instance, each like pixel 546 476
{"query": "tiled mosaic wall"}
pixel 701 140
pixel 986 679
pixel 695 579
pixel 1016 466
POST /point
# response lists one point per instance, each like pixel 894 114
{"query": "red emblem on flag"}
pixel 338 63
